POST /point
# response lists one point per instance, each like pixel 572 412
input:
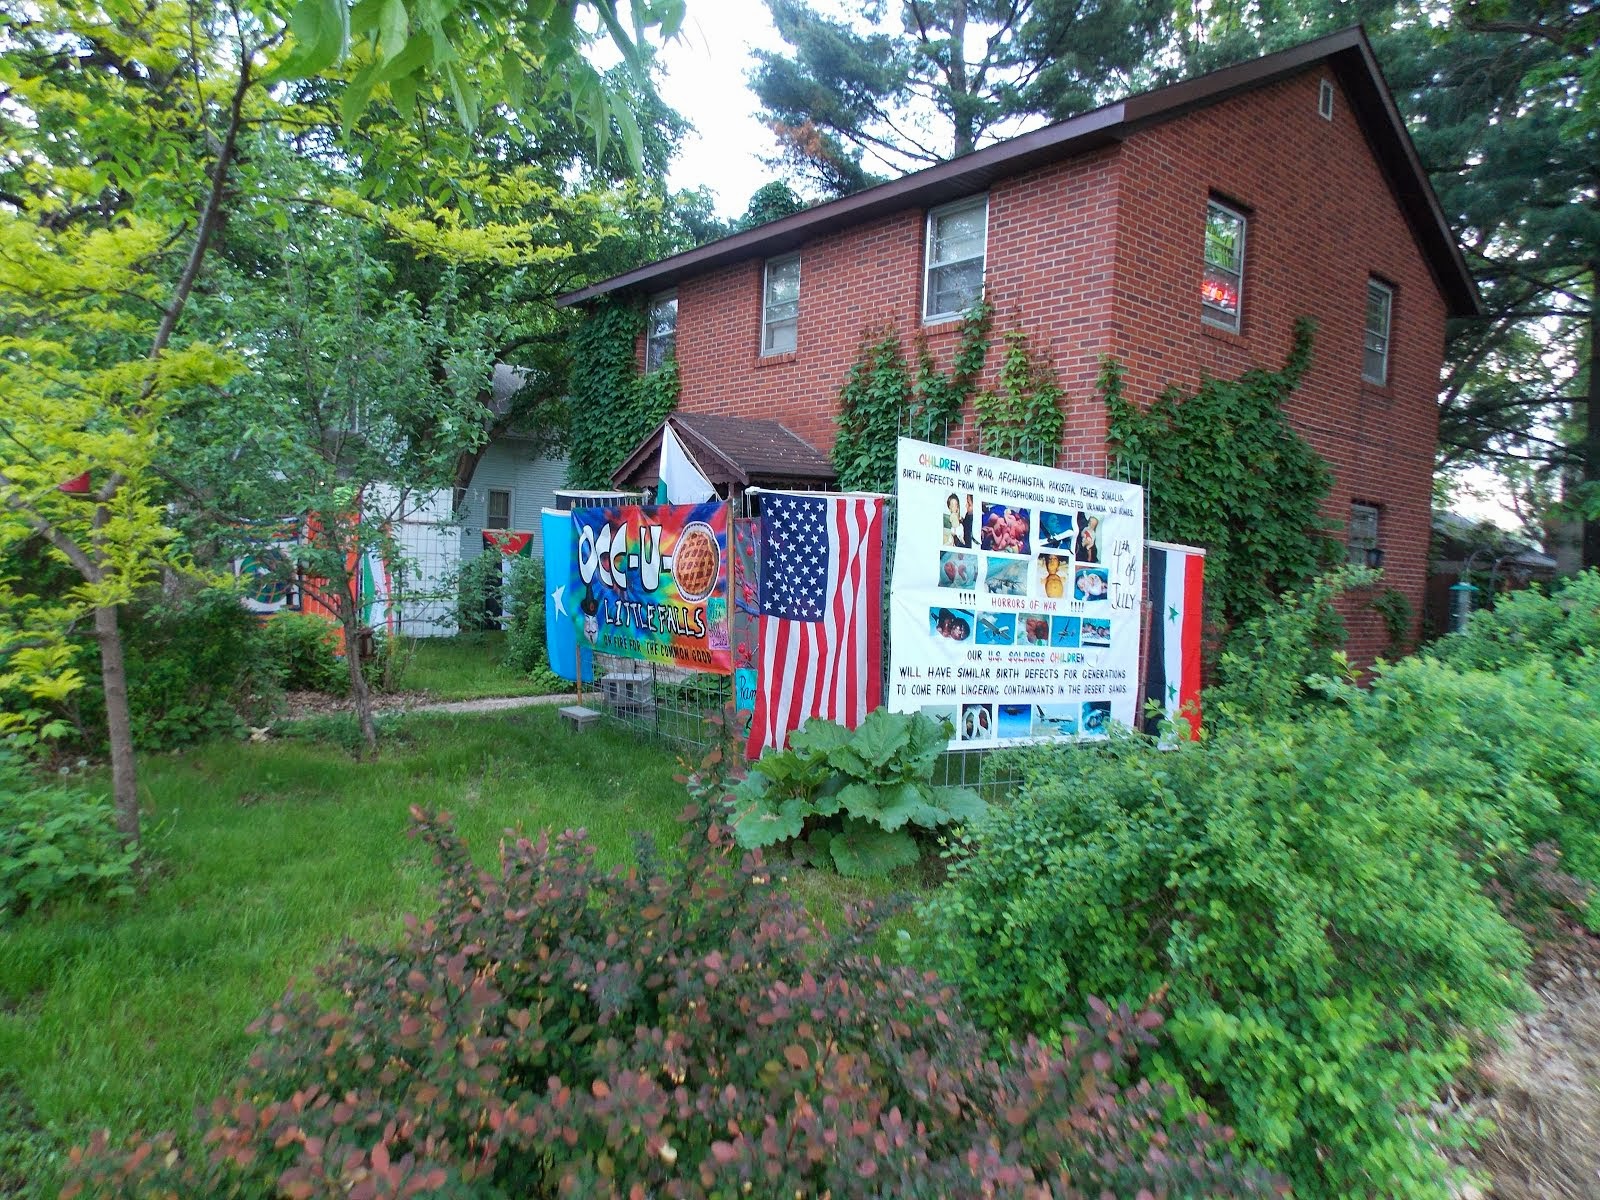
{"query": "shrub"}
pixel 196 668
pixel 1327 952
pixel 675 1030
pixel 56 843
pixel 1563 628
pixel 526 648
pixel 303 653
pixel 853 797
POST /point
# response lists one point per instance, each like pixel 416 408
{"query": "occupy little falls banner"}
pixel 1015 604
pixel 651 582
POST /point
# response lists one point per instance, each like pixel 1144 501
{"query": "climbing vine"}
pixel 882 399
pixel 612 407
pixel 1022 417
pixel 1227 472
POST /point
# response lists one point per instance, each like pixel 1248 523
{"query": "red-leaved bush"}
pixel 677 1030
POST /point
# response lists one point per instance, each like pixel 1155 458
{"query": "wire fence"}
pixel 674 706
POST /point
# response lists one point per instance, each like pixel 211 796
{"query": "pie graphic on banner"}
pixel 696 562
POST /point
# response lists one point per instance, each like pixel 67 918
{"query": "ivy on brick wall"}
pixel 1228 472
pixel 882 399
pixel 1021 418
pixel 612 407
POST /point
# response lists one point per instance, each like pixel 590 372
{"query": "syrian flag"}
pixel 1176 577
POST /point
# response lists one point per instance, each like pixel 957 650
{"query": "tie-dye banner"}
pixel 651 582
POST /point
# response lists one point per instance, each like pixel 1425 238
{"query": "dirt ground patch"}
pixel 1542 1090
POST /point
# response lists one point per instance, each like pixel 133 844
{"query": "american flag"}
pixel 821 613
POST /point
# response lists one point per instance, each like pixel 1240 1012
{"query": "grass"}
pixel 469 666
pixel 268 855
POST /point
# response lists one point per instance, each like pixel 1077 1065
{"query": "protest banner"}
pixel 1015 601
pixel 650 582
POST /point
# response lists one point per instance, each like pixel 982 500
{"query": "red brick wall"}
pixel 1103 255
pixel 1321 221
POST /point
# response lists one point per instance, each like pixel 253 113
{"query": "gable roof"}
pixel 729 450
pixel 1347 53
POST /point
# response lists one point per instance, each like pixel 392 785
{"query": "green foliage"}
pixel 881 400
pixel 56 843
pixel 1266 661
pixel 678 1030
pixel 1562 627
pixel 1394 607
pixel 872 404
pixel 612 407
pixel 526 649
pixel 1228 472
pixel 852 796
pixel 1022 417
pixel 1325 946
pixel 303 651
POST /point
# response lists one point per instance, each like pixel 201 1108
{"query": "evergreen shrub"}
pixel 676 1030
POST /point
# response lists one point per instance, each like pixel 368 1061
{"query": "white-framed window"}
pixel 661 330
pixel 498 515
pixel 1362 545
pixel 780 305
pixel 957 238
pixel 1375 349
pixel 1222 284
pixel 1325 101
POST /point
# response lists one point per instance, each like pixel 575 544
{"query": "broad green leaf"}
pixel 758 825
pixel 818 736
pixel 891 806
pixel 960 803
pixel 862 851
pixel 392 28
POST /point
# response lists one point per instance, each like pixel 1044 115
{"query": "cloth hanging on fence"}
pixel 1172 660
pixel 821 613
pixel 560 615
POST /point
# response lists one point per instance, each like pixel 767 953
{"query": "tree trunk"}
pixel 1591 429
pixel 966 137
pixel 119 726
pixel 360 694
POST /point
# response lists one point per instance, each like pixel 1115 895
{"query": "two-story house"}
pixel 1182 231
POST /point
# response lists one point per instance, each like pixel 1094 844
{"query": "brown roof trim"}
pixel 1347 51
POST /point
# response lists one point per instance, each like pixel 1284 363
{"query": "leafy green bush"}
pixel 1563 628
pixel 853 797
pixel 56 843
pixel 526 648
pixel 1326 950
pixel 302 651
pixel 678 1030
pixel 196 668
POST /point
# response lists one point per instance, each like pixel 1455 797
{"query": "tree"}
pixel 954 75
pixel 770 202
pixel 123 130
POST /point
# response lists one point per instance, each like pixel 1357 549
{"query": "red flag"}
pixel 821 619
pixel 78 485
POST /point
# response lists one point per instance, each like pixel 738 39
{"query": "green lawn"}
pixel 468 666
pixel 268 855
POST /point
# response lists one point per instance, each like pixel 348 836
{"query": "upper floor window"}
pixel 661 330
pixel 780 307
pixel 1380 309
pixel 1222 288
pixel 953 276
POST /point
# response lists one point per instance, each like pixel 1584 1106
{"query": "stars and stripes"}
pixel 821 613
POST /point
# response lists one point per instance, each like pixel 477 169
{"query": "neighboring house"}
pixel 509 481
pixel 1182 231
pixel 1491 559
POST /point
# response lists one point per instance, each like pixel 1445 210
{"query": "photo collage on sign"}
pixel 1000 555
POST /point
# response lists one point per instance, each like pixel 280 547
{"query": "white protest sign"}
pixel 1015 603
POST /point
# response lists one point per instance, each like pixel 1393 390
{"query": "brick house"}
pixel 1182 231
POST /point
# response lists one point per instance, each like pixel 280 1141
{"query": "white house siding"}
pixel 532 481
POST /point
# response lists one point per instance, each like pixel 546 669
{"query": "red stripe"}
pixel 1193 618
pixel 874 606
